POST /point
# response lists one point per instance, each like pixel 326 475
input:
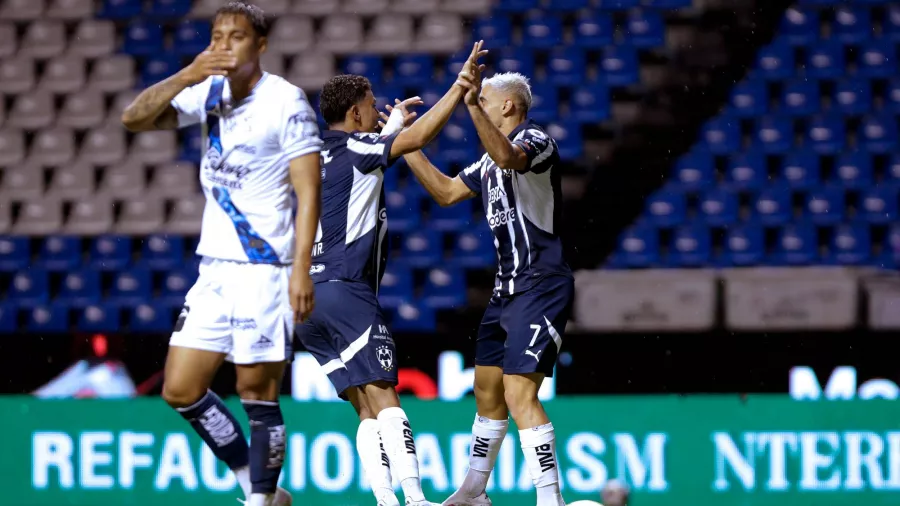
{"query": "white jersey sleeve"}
pixel 191 104
pixel 298 133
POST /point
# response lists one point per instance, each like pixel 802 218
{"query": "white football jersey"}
pixel 245 168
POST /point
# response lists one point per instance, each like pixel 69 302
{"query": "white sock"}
pixel 397 436
pixel 539 447
pixel 243 477
pixel 487 436
pixel 260 500
pixel 375 461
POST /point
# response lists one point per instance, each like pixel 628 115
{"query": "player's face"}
pixel 368 113
pixel 234 32
pixel 494 104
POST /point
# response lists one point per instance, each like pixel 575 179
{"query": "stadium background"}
pixel 731 174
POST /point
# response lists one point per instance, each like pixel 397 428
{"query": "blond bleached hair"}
pixel 514 84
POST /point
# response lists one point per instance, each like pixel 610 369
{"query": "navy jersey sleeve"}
pixel 471 176
pixel 370 152
pixel 540 149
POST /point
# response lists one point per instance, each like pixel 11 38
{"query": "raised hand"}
pixel 403 107
pixel 470 75
pixel 211 62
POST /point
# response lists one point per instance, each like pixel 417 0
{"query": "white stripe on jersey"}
pixel 515 184
pixel 362 208
pixel 509 226
pixel 363 148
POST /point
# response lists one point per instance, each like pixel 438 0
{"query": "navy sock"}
pixel 219 429
pixel 267 444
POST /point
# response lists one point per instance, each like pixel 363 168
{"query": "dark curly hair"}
pixel 254 14
pixel 341 93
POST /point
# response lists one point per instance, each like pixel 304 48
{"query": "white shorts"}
pixel 240 309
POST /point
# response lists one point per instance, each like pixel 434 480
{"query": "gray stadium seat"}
pixel 186 216
pixel 103 146
pixel 365 7
pixel 274 8
pixel 415 6
pixel 273 63
pixel 440 33
pixel 176 179
pixel 93 38
pixel 390 33
pixel 123 181
pixel 63 74
pixel 12 146
pixel 43 39
pixel 16 75
pixel 312 70
pixel 31 111
pixel 9 41
pixel 52 147
pixel 470 7
pixel 82 110
pixel 22 182
pixel 5 216
pixel 140 216
pixel 340 33
pixel 90 217
pixel 72 181
pixel 112 74
pixel 21 10
pixel 120 102
pixel 2 112
pixel 205 9
pixel 70 10
pixel 39 217
pixel 154 148
pixel 317 8
pixel 291 34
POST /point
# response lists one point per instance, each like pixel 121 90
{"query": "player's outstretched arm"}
pixel 502 151
pixel 307 181
pixel 445 190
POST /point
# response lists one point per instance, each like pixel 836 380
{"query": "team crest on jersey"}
pixel 385 357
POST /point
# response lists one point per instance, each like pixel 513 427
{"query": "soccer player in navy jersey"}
pixel 522 329
pixel 347 332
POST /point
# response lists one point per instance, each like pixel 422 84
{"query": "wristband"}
pixel 394 123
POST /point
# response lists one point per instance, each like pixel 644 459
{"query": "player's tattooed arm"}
pixel 445 190
pixel 152 109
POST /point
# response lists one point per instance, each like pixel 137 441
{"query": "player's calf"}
pixel 371 451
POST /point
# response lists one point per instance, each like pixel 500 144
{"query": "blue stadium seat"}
pixel 80 288
pixel 159 67
pixel 851 25
pixel 542 30
pixel 150 317
pixel 386 94
pixel 175 285
pixel 9 317
pixel 413 318
pixel 517 5
pixel 120 9
pixel 747 171
pixel 169 9
pixel 892 172
pixel 102 317
pixel 640 246
pixel 593 30
pixel 825 60
pixel 800 97
pixel 695 170
pixel 796 245
pixel 567 135
pixel 849 244
pixel 131 287
pixel 744 245
pixel 110 252
pixel 370 66
pixel 496 29
pixel 458 142
pixel 29 287
pixel 413 70
pixel 773 205
pixel 645 29
pixel 876 58
pixel 878 204
pixel 878 134
pixel 691 246
pixel 668 4
pixel 774 134
pixel 422 248
pixel 892 96
pixel 619 65
pixel 890 25
pixel 571 5
pixel 799 27
pixel 143 38
pixel 590 103
pixel 15 253
pixel 566 66
pixel 666 208
pixel 162 251
pixel 719 207
pixel 825 134
pixel 819 2
pixel 403 209
pixel 544 103
pixel 891 245
pixel 191 144
pixel 452 67
pixel 396 286
pixel 616 5
pixel 721 135
pixel 519 60
pixel 48 318
pixel 825 206
pixel 451 218
pixel 775 61
pixel 59 253
pixel 853 169
pixel 474 249
pixel 852 97
pixel 801 169
pixel 191 37
pixel 444 288
pixel 749 98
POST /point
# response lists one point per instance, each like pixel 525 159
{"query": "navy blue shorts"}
pixel 523 333
pixel 349 337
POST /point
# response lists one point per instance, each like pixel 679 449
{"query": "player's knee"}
pixel 489 397
pixel 180 396
pixel 521 397
pixel 255 391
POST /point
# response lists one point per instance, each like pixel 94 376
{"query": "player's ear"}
pixel 262 44
pixel 355 113
pixel 507 106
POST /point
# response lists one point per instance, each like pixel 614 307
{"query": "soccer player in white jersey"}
pixel 525 321
pixel 261 138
